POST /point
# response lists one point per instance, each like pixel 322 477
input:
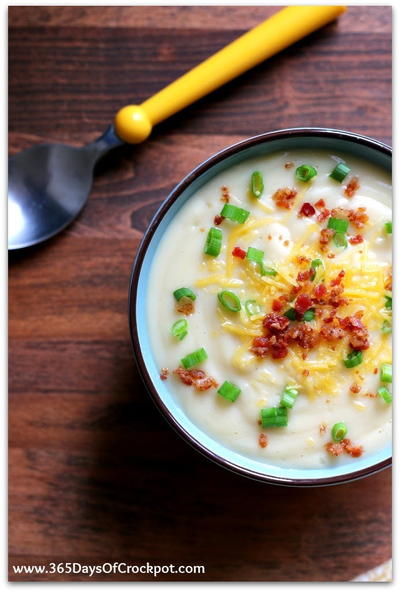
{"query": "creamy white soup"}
pixel 270 308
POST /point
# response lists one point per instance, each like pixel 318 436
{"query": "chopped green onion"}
pixel 234 213
pixel 309 315
pixel 229 300
pixel 179 329
pixel 338 224
pixel 386 327
pixel 290 314
pixel 340 240
pixel 289 396
pixel 229 391
pixel 340 171
pixel 339 431
pixel 354 358
pixel 187 292
pixel 194 358
pixel 256 184
pixel 213 242
pixel 316 263
pixel 388 227
pixel 388 298
pixel 266 270
pixel 252 307
pixel 255 255
pixel 273 417
pixel 386 373
pixel 385 394
pixel 305 172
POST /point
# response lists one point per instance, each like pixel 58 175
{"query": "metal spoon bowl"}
pixel 48 185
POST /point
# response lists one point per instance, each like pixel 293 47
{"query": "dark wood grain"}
pixel 95 473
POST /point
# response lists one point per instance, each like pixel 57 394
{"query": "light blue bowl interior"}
pixel 211 444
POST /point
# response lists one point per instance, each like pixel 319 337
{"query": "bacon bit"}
pixel 278 348
pixel 277 305
pixel 358 217
pixel 375 370
pixel 356 240
pixel 338 279
pixel 331 255
pixel 322 428
pixel 325 213
pixel 286 243
pixel 306 372
pixel 355 388
pixel 238 252
pixel 326 236
pixel 303 303
pixel 218 220
pixel 331 333
pixel 284 198
pixel 289 165
pixel 370 395
pixel 320 292
pixel 351 187
pixel 306 210
pixel 185 306
pixel 275 323
pixel 304 276
pixel 164 373
pixel 269 237
pixel 358 332
pixel 354 451
pixel 320 204
pixel 225 197
pixel 260 347
pixel 334 448
pixel 196 378
pixel 263 440
pixel 304 335
pixel 301 259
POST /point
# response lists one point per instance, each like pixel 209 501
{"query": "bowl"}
pixel 318 138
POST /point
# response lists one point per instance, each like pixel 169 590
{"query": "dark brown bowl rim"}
pixel 133 283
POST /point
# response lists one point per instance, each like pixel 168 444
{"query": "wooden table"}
pixel 96 474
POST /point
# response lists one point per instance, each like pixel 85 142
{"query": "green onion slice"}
pixel 273 417
pixel 194 358
pixel 316 263
pixel 386 327
pixel 252 307
pixel 305 172
pixel 386 373
pixel 266 270
pixel 385 394
pixel 234 213
pixel 340 240
pixel 256 184
pixel 340 171
pixel 388 300
pixel 255 255
pixel 339 431
pixel 213 242
pixel 354 358
pixel 179 329
pixel 290 314
pixel 338 224
pixel 289 396
pixel 229 391
pixel 388 227
pixel 229 300
pixel 181 292
pixel 309 315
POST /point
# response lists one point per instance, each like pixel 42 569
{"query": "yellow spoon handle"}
pixel 134 123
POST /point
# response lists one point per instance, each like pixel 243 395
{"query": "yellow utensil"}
pixel 134 123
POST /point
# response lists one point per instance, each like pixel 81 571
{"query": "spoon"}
pixel 49 184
